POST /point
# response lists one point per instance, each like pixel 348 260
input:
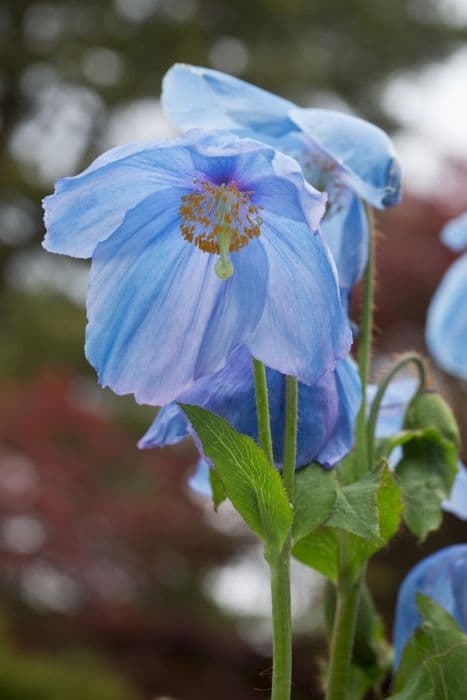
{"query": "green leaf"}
pixel 426 473
pixel 253 484
pixel 320 549
pixel 218 493
pixel 315 494
pixel 355 507
pixel 434 661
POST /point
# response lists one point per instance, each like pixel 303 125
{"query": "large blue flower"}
pixel 390 421
pixel 327 411
pixel 446 330
pixel 199 245
pixel 343 155
pixel 440 576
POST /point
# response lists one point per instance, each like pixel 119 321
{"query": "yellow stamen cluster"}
pixel 219 219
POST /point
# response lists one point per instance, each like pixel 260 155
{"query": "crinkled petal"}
pixel 454 234
pixel 158 316
pixel 86 209
pixel 304 329
pixel 440 576
pixel 168 428
pixel 365 151
pixel 457 501
pixel 193 96
pixel 446 329
pixel 346 233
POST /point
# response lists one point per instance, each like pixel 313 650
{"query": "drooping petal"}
pixel 346 233
pixel 446 329
pixel 193 96
pixel 327 410
pixel 440 576
pixel 304 328
pixel 168 428
pixel 454 234
pixel 199 481
pixel 457 501
pixel 362 149
pixel 158 315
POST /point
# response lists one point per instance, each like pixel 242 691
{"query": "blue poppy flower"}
pixel 390 421
pixel 343 155
pixel 446 329
pixel 199 245
pixel 327 411
pixel 440 576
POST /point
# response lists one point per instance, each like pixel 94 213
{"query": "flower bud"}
pixel 429 410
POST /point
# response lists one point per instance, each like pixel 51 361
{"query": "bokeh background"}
pixel 117 582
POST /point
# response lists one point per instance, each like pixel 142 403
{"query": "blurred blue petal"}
pixel 200 481
pixel 457 502
pixel 154 218
pixel 446 329
pixel 364 151
pixel 454 234
pixel 441 576
pixel 327 410
pixel 200 97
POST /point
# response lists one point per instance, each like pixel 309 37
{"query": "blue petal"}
pixel 158 315
pixel 88 208
pixel 446 330
pixel 193 96
pixel 327 411
pixel 440 576
pixel 304 328
pixel 365 151
pixel 346 233
pixel 168 428
pixel 200 481
pixel 457 501
pixel 454 234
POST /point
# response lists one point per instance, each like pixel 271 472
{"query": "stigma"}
pixel 219 219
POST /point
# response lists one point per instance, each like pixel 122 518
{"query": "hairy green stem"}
pixel 345 622
pixel 262 408
pixel 279 562
pixel 364 353
pixel 404 360
pixel 282 626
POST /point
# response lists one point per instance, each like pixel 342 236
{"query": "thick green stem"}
pixel 282 626
pixel 345 621
pixel 279 562
pixel 404 360
pixel 262 409
pixel 364 352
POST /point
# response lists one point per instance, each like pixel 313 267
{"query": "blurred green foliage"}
pixel 71 676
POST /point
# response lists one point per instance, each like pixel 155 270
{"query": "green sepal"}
pixel 426 474
pixel 250 481
pixel 428 409
pixel 434 660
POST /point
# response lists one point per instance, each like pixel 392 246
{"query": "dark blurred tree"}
pixel 117 51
